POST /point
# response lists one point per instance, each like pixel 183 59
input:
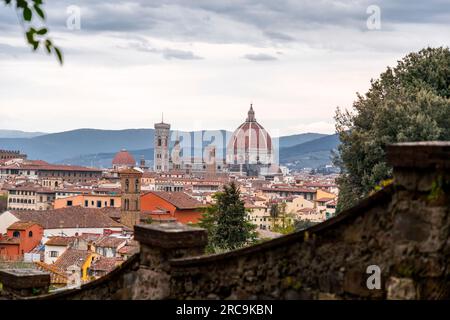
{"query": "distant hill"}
pixel 93 147
pixel 19 134
pixel 296 139
pixel 311 154
pixel 57 146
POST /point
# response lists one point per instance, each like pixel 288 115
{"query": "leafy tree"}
pixel 274 212
pixel 27 10
pixel 209 223
pixel 226 221
pixel 278 214
pixel 407 103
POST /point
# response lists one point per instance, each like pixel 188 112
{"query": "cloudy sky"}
pixel 202 62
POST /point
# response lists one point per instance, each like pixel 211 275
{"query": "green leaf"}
pixel 42 31
pixel 27 14
pixel 58 54
pixel 21 4
pixel 39 11
pixel 48 45
pixel 30 38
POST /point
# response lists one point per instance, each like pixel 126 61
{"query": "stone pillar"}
pixel 159 243
pixel 420 208
pixel 421 166
pixel 18 283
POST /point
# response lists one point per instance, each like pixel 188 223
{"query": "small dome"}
pixel 123 158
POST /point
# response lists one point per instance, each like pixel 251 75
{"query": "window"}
pixel 127 185
pixel 16 234
pixel 99 203
pixel 30 234
pixel 69 203
pixel 53 254
pixel 136 185
pixel 111 202
pixel 86 203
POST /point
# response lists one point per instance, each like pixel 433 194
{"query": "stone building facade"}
pixel 400 235
pixel 11 154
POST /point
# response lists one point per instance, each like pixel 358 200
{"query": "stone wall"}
pixel 403 230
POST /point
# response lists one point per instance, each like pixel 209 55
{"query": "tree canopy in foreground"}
pixel 409 102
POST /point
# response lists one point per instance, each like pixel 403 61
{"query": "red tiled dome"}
pixel 124 158
pixel 250 143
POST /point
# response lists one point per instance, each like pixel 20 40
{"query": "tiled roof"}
pixel 56 275
pixel 90 236
pixel 21 225
pixel 9 240
pixel 72 257
pixel 51 167
pixel 60 241
pixel 69 217
pixel 131 171
pixel 105 264
pixel 30 187
pixel 110 242
pixel 112 212
pixel 324 199
pixel 291 189
pixel 180 200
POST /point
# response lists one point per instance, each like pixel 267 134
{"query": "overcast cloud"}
pixel 202 62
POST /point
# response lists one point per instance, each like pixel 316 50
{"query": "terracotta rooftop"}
pixel 56 275
pixel 110 242
pixel 290 189
pixel 70 217
pixel 60 241
pixel 180 200
pixel 44 166
pixel 105 264
pixel 21 225
pixel 324 199
pixel 72 257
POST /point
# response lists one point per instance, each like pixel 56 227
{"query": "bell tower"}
pixel 161 147
pixel 130 212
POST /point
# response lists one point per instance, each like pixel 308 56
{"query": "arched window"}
pixel 16 234
pixel 136 185
pixel 30 234
pixel 127 185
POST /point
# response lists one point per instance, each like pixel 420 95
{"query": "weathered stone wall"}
pixel 403 229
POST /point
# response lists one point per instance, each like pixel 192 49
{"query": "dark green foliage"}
pixel 35 37
pixel 226 221
pixel 407 103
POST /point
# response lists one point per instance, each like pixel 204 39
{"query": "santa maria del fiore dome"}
pixel 250 143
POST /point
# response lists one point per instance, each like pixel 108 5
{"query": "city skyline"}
pixel 203 63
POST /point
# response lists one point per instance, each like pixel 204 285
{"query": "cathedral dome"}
pixel 123 159
pixel 250 143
